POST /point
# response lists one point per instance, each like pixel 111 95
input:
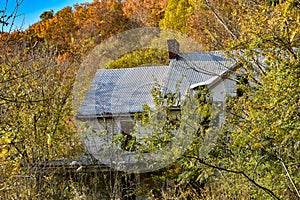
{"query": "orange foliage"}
pixel 145 12
pixel 206 27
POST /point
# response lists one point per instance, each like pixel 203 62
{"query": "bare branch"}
pixel 220 19
pixel 290 178
pixel 236 172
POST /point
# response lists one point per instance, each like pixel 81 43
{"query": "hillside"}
pixel 257 152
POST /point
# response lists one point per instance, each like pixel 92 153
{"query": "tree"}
pixel 140 58
pixel 145 12
pixel 215 23
pixel 45 16
pixel 169 133
pixel 35 109
pixel 177 15
pixel 7 20
pixel 263 127
pixel 257 154
pixel 96 22
pixel 36 115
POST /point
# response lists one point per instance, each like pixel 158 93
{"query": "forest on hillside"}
pixel 257 155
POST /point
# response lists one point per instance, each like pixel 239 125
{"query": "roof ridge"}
pixel 126 68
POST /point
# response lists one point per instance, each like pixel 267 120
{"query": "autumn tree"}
pixel 257 153
pixel 98 21
pixel 263 126
pixel 139 58
pixel 177 15
pixel 145 12
pixel 46 15
pixel 215 23
pixel 36 114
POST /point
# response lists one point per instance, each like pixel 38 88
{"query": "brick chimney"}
pixel 173 48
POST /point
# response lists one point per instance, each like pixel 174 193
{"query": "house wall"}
pixel 100 132
pixel 220 91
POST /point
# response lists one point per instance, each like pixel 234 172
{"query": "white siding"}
pixel 98 134
pixel 222 89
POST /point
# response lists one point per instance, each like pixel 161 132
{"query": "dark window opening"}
pixel 126 127
pixel 128 142
pixel 242 81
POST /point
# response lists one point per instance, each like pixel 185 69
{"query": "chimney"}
pixel 173 48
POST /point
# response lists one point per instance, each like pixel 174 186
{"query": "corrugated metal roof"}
pixel 124 91
pixel 192 68
pixel 203 56
pixel 121 91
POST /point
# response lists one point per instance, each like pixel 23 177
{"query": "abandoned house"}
pixel 116 95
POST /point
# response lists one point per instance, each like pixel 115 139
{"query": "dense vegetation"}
pixel 257 155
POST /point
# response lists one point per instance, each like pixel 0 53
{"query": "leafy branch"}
pixel 235 172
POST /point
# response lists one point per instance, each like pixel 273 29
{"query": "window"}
pixel 126 127
pixel 128 142
pixel 242 81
